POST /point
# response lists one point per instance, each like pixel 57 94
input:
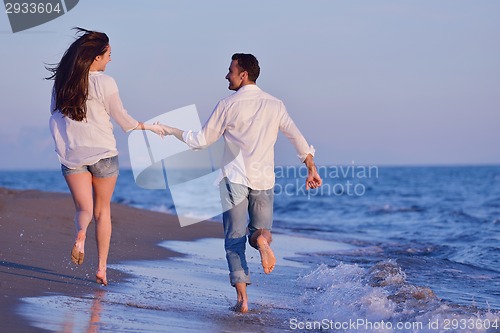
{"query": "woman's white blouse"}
pixel 79 143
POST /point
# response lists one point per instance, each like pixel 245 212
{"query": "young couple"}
pixel 83 102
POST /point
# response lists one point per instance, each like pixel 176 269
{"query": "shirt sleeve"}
pixel 291 131
pixel 114 106
pixel 210 132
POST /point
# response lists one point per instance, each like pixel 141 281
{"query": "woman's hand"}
pixel 155 128
pixel 171 131
pixel 166 129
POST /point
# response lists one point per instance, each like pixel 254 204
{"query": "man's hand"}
pixel 153 128
pixel 166 129
pixel 313 179
pixel 171 131
pixel 157 129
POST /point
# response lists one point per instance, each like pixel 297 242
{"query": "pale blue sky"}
pixel 374 82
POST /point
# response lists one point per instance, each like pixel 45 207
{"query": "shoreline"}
pixel 36 236
pixel 157 285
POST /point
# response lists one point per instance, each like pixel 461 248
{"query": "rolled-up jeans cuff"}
pixel 239 277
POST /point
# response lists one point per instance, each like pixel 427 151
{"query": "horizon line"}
pixel 391 165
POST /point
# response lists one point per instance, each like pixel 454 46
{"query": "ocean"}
pixel 375 249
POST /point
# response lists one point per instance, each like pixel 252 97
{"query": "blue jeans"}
pixel 239 203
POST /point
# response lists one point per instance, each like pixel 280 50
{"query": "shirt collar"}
pixel 249 87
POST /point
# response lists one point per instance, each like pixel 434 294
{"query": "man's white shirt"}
pixel 249 120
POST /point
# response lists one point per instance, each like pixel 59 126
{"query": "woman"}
pixel 83 101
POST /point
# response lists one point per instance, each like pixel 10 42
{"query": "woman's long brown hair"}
pixel 71 75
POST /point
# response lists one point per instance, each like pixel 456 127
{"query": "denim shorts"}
pixel 107 167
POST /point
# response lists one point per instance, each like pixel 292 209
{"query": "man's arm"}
pixel 305 152
pixel 210 132
pixel 313 179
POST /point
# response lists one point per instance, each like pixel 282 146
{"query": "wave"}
pixel 380 299
pixel 390 209
pixel 493 203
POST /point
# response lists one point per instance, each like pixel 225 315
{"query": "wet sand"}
pixel 36 236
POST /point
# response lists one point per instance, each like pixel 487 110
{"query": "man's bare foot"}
pixel 241 306
pixel 242 297
pixel 266 254
pixel 78 250
pixel 100 277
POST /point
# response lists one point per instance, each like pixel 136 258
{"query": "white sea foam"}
pixel 380 299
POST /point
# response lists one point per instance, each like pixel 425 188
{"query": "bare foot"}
pixel 266 254
pixel 100 277
pixel 78 250
pixel 241 306
pixel 242 297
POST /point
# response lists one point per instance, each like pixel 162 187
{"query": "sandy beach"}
pixel 36 235
pixel 163 277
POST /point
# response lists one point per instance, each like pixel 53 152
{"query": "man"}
pixel 249 120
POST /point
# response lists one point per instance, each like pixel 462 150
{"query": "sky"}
pixel 367 82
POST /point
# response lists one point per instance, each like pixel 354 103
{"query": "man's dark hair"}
pixel 248 63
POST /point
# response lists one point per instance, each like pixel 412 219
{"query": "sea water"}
pixel 420 247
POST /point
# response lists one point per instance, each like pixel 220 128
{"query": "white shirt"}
pixel 249 120
pixel 79 143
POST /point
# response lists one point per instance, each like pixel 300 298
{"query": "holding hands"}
pixel 167 130
pixel 171 131
pixel 155 128
pixel 161 129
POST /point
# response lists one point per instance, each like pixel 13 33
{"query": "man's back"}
pixel 249 120
pixel 252 119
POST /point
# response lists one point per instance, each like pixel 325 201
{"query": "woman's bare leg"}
pixel 103 191
pixel 80 186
